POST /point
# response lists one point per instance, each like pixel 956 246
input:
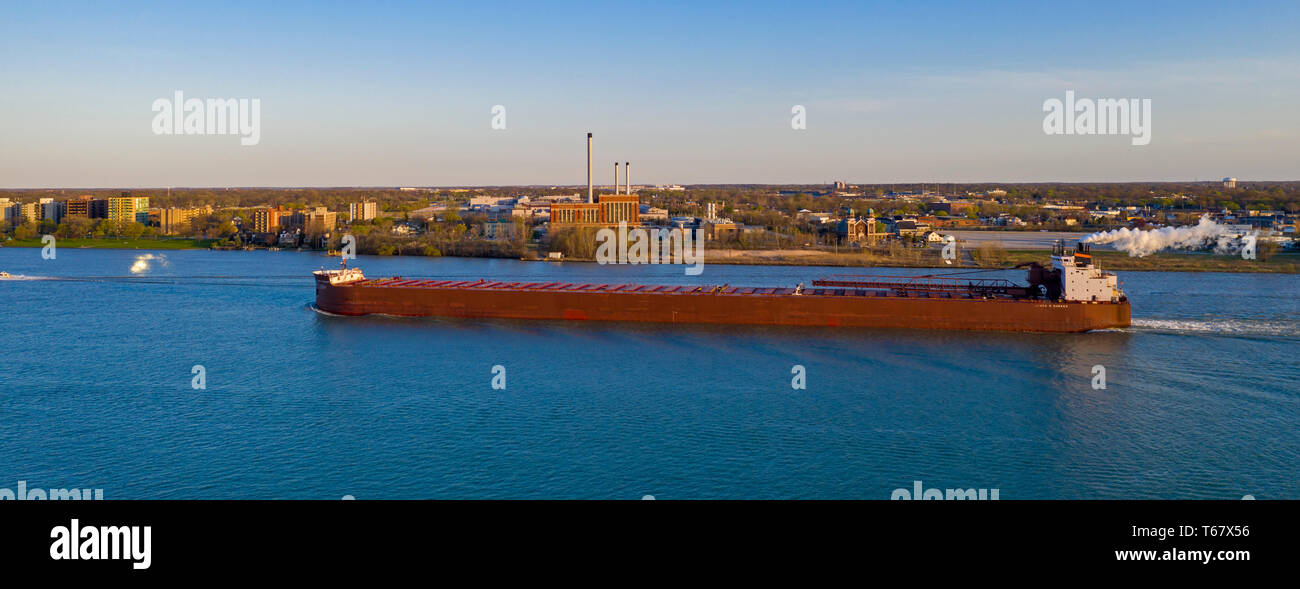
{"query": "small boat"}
pixel 4 275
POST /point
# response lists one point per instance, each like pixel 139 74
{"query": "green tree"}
pixel 132 230
pixel 25 231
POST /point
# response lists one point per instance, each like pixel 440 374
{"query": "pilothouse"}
pixel 1081 278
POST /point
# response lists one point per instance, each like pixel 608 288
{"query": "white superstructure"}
pixel 1081 279
pixel 341 276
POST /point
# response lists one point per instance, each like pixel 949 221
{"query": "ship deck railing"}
pixel 920 284
pixel 836 286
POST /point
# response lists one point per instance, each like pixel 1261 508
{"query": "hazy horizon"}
pixel 691 94
pixel 598 186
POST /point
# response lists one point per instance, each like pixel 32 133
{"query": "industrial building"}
pixel 605 210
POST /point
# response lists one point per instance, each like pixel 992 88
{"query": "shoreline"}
pixel 118 243
pixel 1278 263
pixel 1281 263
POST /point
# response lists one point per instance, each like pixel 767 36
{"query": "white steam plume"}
pixel 1139 243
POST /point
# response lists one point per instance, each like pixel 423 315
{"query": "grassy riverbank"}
pixel 118 243
pixel 1279 263
pixel 1283 263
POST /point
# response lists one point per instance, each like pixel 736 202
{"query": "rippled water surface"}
pixel 1201 401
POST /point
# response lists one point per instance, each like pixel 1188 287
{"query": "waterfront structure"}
pixel 87 207
pixel 608 210
pixel 856 231
pixel 500 229
pixel 266 220
pixel 615 209
pixel 172 221
pixel 575 213
pixel 861 230
pixel 651 214
pixel 10 212
pixel 52 210
pixel 720 229
pixel 319 221
pixel 30 212
pixel 363 211
pixel 78 207
pixel 128 209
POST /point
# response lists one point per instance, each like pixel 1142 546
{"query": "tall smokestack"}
pixel 627 177
pixel 615 177
pixel 590 196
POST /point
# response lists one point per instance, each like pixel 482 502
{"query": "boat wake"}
pixel 1224 327
pixel 313 307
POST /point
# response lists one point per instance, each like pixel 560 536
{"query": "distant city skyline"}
pixel 403 95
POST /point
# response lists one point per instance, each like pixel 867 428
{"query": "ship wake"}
pixel 1223 327
pixel 313 307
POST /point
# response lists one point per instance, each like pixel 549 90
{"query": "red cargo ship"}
pixel 1074 295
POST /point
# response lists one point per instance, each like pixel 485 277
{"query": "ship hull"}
pixel 838 310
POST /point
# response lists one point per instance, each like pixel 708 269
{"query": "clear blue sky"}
pixel 387 94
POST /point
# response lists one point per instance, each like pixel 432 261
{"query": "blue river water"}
pixel 100 346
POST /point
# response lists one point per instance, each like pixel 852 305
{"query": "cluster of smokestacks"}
pixel 627 176
pixel 627 181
